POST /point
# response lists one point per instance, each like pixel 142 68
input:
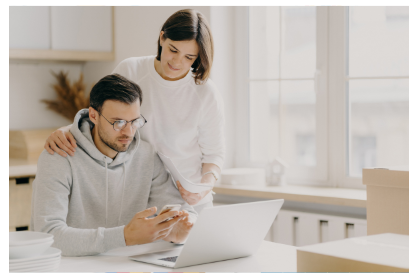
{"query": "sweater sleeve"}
pixel 50 201
pixel 211 137
pixel 163 191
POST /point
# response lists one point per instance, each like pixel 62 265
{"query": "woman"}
pixel 181 104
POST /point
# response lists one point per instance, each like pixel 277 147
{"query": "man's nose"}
pixel 128 130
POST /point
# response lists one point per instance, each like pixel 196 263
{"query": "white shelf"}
pixel 319 195
pixel 59 55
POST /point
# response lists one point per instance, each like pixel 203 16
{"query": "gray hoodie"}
pixel 86 200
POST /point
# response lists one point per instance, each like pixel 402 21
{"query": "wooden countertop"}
pixel 320 195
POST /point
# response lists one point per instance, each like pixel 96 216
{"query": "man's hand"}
pixel 191 198
pixel 180 231
pixel 143 230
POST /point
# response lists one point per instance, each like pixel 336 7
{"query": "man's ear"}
pixel 93 115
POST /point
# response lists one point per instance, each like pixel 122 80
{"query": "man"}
pixel 96 200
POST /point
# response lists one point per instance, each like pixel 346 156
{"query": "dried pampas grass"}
pixel 70 98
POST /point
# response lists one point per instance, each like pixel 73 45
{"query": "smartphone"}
pixel 169 208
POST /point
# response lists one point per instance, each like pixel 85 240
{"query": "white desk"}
pixel 270 257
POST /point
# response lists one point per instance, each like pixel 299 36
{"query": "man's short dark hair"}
pixel 114 87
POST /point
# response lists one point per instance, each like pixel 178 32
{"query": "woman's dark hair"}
pixel 114 87
pixel 185 25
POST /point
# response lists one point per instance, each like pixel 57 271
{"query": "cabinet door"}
pixel 29 27
pixel 82 28
pixel 20 199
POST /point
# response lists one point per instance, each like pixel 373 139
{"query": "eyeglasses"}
pixel 121 124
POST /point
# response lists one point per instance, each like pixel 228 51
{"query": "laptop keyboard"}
pixel 169 259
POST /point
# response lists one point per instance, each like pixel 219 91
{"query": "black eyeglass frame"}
pixel 126 122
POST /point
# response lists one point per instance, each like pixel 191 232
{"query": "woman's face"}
pixel 176 58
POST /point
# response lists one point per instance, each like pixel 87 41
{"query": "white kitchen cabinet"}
pixel 81 28
pixel 283 228
pixel 62 33
pixel 303 228
pixel 29 27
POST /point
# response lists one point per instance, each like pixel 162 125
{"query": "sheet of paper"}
pixel 177 176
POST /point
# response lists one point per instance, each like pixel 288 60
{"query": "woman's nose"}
pixel 177 60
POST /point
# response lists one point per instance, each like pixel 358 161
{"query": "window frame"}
pixel 331 93
pixel 338 99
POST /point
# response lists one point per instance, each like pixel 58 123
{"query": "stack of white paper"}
pixel 177 176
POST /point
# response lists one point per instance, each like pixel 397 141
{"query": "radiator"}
pixel 302 228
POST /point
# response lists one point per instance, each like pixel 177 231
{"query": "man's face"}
pixel 112 110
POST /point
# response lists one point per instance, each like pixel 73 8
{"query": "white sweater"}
pixel 185 121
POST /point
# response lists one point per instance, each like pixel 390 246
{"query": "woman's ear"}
pixel 161 38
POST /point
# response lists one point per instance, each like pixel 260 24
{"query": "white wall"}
pixel 136 34
pixel 29 83
pixel 222 20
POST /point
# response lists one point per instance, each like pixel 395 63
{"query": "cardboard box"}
pixel 387 200
pixel 376 253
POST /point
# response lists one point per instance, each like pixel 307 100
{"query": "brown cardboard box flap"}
pixel 392 177
pixel 376 253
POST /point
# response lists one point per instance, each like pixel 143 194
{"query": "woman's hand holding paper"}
pixel 191 198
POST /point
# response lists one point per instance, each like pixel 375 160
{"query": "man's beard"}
pixel 110 144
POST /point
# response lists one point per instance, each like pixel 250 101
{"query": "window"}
pixel 323 88
pixel 377 87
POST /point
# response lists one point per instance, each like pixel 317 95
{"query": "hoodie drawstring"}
pixel 106 192
pixel 122 194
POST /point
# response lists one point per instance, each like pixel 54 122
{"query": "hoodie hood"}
pixel 81 131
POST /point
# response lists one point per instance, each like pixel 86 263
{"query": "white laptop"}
pixel 221 233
